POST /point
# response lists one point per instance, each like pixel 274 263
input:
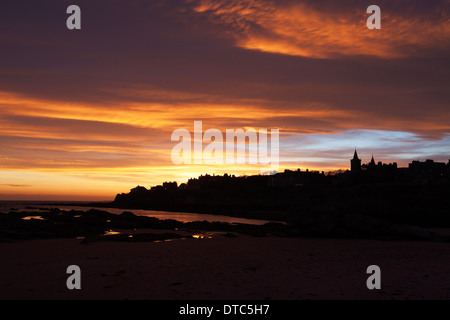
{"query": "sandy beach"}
pixel 225 268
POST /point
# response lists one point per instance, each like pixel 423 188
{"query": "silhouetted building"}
pixel 372 162
pixel 355 163
pixel 170 185
pixel 428 170
pixel 193 184
pixel 298 178
pixel 138 189
pixel 182 186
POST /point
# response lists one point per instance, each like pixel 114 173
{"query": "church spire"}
pixel 355 163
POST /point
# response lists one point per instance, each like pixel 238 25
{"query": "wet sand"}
pixel 225 268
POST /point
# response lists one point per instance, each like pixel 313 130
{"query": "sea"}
pixel 35 206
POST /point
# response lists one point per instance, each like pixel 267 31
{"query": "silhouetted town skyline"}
pixel 370 172
pixel 417 194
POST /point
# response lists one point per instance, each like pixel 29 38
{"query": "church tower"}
pixel 355 163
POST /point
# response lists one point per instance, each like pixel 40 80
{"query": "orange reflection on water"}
pixel 202 236
pixel 33 218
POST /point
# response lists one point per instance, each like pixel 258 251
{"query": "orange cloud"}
pixel 300 29
pixel 57 147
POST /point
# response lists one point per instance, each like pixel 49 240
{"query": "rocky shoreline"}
pixel 96 225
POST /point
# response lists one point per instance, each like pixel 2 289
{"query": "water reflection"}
pixel 162 215
pixel 179 216
pixel 203 236
pixel 33 218
pixel 111 232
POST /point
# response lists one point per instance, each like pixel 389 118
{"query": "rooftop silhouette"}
pixel 419 193
pixel 427 171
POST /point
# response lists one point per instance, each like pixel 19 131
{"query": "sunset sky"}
pixel 86 114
